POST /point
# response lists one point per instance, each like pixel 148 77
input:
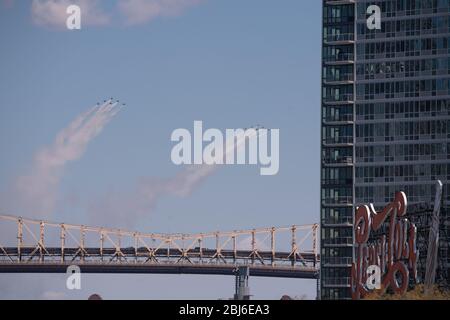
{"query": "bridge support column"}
pixel 41 241
pixel 19 239
pixel 272 245
pixel 234 249
pixel 63 241
pixel 82 236
pixel 294 245
pixel 253 246
pixel 241 284
pixel 102 242
pixel 200 248
pixel 136 244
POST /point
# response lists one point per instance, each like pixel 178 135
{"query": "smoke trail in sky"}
pixel 124 209
pixel 35 194
pixel 185 182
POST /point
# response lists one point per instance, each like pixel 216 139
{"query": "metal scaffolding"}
pixel 422 216
pixel 49 247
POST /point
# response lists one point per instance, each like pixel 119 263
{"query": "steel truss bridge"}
pixel 33 246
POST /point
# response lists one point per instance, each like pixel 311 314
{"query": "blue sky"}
pixel 229 63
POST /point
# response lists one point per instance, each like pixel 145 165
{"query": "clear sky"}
pixel 231 64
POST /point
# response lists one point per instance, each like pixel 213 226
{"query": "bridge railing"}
pixel 33 241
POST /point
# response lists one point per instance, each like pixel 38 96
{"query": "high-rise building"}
pixel 385 116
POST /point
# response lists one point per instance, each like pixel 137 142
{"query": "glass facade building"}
pixel 385 117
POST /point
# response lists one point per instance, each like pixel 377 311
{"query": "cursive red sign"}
pixel 393 250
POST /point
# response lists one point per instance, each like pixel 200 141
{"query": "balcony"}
pixel 338 201
pixel 337 221
pixel 339 59
pixel 338 141
pixel 339 99
pixel 336 242
pixel 339 79
pixel 336 282
pixel 337 182
pixel 346 118
pixel 338 39
pixel 336 261
pixel 338 162
pixel 338 2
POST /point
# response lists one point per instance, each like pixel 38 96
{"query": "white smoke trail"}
pixel 184 183
pixel 35 194
pixel 124 209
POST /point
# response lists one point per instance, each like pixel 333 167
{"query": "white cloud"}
pixel 36 193
pixel 142 11
pixel 52 13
